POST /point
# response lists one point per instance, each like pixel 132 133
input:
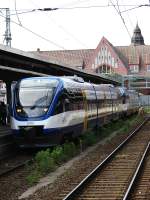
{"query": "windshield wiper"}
pixel 33 107
pixel 39 102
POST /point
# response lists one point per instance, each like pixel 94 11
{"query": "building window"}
pixel 134 68
pixel 148 68
pixel 104 69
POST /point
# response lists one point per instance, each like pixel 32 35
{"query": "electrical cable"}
pixel 54 9
pixel 81 7
pixel 119 13
pixel 38 35
pixel 131 23
pixel 61 27
pixel 17 13
pixel 146 5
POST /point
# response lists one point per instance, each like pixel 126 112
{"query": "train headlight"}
pixel 45 109
pixel 19 110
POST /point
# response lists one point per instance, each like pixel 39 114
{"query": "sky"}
pixel 76 24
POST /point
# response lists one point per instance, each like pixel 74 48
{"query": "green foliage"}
pixel 33 177
pixel 89 138
pixel 69 150
pixel 57 154
pixel 44 162
pixel 119 126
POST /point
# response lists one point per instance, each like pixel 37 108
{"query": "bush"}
pixel 44 163
pixel 69 150
pixel 57 154
pixel 89 138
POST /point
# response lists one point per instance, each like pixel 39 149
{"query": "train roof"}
pixel 72 81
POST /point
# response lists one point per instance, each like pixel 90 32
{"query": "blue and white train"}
pixel 46 110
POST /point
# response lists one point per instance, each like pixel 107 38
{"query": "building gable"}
pixel 106 55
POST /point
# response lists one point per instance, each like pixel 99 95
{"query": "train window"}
pixel 70 100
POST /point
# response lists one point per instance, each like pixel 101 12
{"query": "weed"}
pixel 69 150
pixel 57 154
pixel 33 177
pixel 89 138
pixel 44 163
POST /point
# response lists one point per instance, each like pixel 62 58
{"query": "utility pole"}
pixel 7 35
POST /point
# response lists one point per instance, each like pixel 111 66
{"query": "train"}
pixel 47 110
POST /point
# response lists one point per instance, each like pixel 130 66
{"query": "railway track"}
pixel 7 145
pixel 13 164
pixel 17 159
pixel 115 177
pixel 140 185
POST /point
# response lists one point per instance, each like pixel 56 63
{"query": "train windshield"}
pixel 33 97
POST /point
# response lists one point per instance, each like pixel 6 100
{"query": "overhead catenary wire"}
pixel 139 6
pixel 131 23
pixel 38 35
pixel 17 14
pixel 101 6
pixel 119 13
pixel 134 6
pixel 60 26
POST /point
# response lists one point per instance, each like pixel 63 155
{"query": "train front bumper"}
pixel 36 137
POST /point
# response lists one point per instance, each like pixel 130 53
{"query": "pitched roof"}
pixel 119 53
pixel 135 53
pixel 73 58
pixel 77 58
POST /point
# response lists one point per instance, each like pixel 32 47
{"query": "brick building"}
pixel 129 63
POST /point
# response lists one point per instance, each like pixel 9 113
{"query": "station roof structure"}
pixel 16 64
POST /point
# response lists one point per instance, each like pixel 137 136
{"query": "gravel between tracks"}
pixel 62 177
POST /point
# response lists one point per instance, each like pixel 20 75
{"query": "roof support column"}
pixel 8 98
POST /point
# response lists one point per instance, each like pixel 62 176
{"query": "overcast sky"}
pixel 77 24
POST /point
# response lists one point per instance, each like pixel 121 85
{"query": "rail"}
pixel 88 178
pixel 132 183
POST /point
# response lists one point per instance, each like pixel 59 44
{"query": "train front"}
pixel 32 100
